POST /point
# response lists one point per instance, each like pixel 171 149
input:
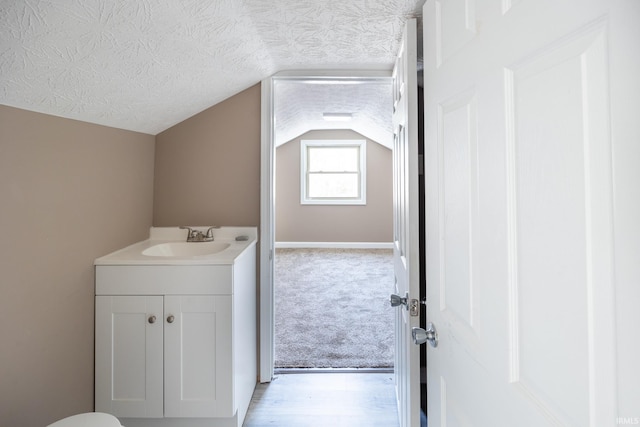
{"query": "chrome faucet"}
pixel 199 236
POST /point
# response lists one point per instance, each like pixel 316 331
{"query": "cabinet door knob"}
pixel 152 319
pixel 170 319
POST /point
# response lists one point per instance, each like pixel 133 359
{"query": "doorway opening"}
pixel 328 254
pixel 306 306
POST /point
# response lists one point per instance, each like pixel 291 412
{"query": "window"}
pixel 333 172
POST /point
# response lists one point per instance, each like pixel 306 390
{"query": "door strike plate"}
pixel 414 308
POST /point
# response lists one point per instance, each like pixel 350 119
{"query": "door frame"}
pixel 267 195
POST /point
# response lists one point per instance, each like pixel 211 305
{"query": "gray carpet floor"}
pixel 332 308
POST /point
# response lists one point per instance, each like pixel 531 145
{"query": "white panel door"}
pixel 523 117
pixel 406 225
pixel 128 359
pixel 198 357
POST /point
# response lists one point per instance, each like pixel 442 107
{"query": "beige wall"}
pixel 69 192
pixel 208 167
pixel 315 223
pixel 73 191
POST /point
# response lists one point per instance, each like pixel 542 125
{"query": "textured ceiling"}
pixel 146 65
pixel 298 108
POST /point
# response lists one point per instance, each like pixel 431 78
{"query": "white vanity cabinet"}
pixel 129 356
pixel 176 344
pixel 164 356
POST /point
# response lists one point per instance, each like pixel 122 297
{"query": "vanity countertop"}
pixel 133 254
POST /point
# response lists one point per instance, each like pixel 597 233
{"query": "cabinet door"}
pixel 129 345
pixel 198 357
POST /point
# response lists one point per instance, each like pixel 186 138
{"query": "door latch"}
pixel 412 305
pixel 414 308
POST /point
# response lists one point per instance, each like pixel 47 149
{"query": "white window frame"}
pixel 361 144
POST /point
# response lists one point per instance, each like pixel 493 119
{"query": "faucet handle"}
pixel 210 231
pixel 190 231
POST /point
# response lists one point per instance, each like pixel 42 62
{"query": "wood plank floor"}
pixel 325 399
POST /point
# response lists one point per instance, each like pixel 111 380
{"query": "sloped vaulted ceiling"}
pixel 299 107
pixel 146 65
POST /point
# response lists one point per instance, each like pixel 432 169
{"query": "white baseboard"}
pixel 335 245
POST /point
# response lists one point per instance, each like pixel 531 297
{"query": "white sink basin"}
pixel 185 249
